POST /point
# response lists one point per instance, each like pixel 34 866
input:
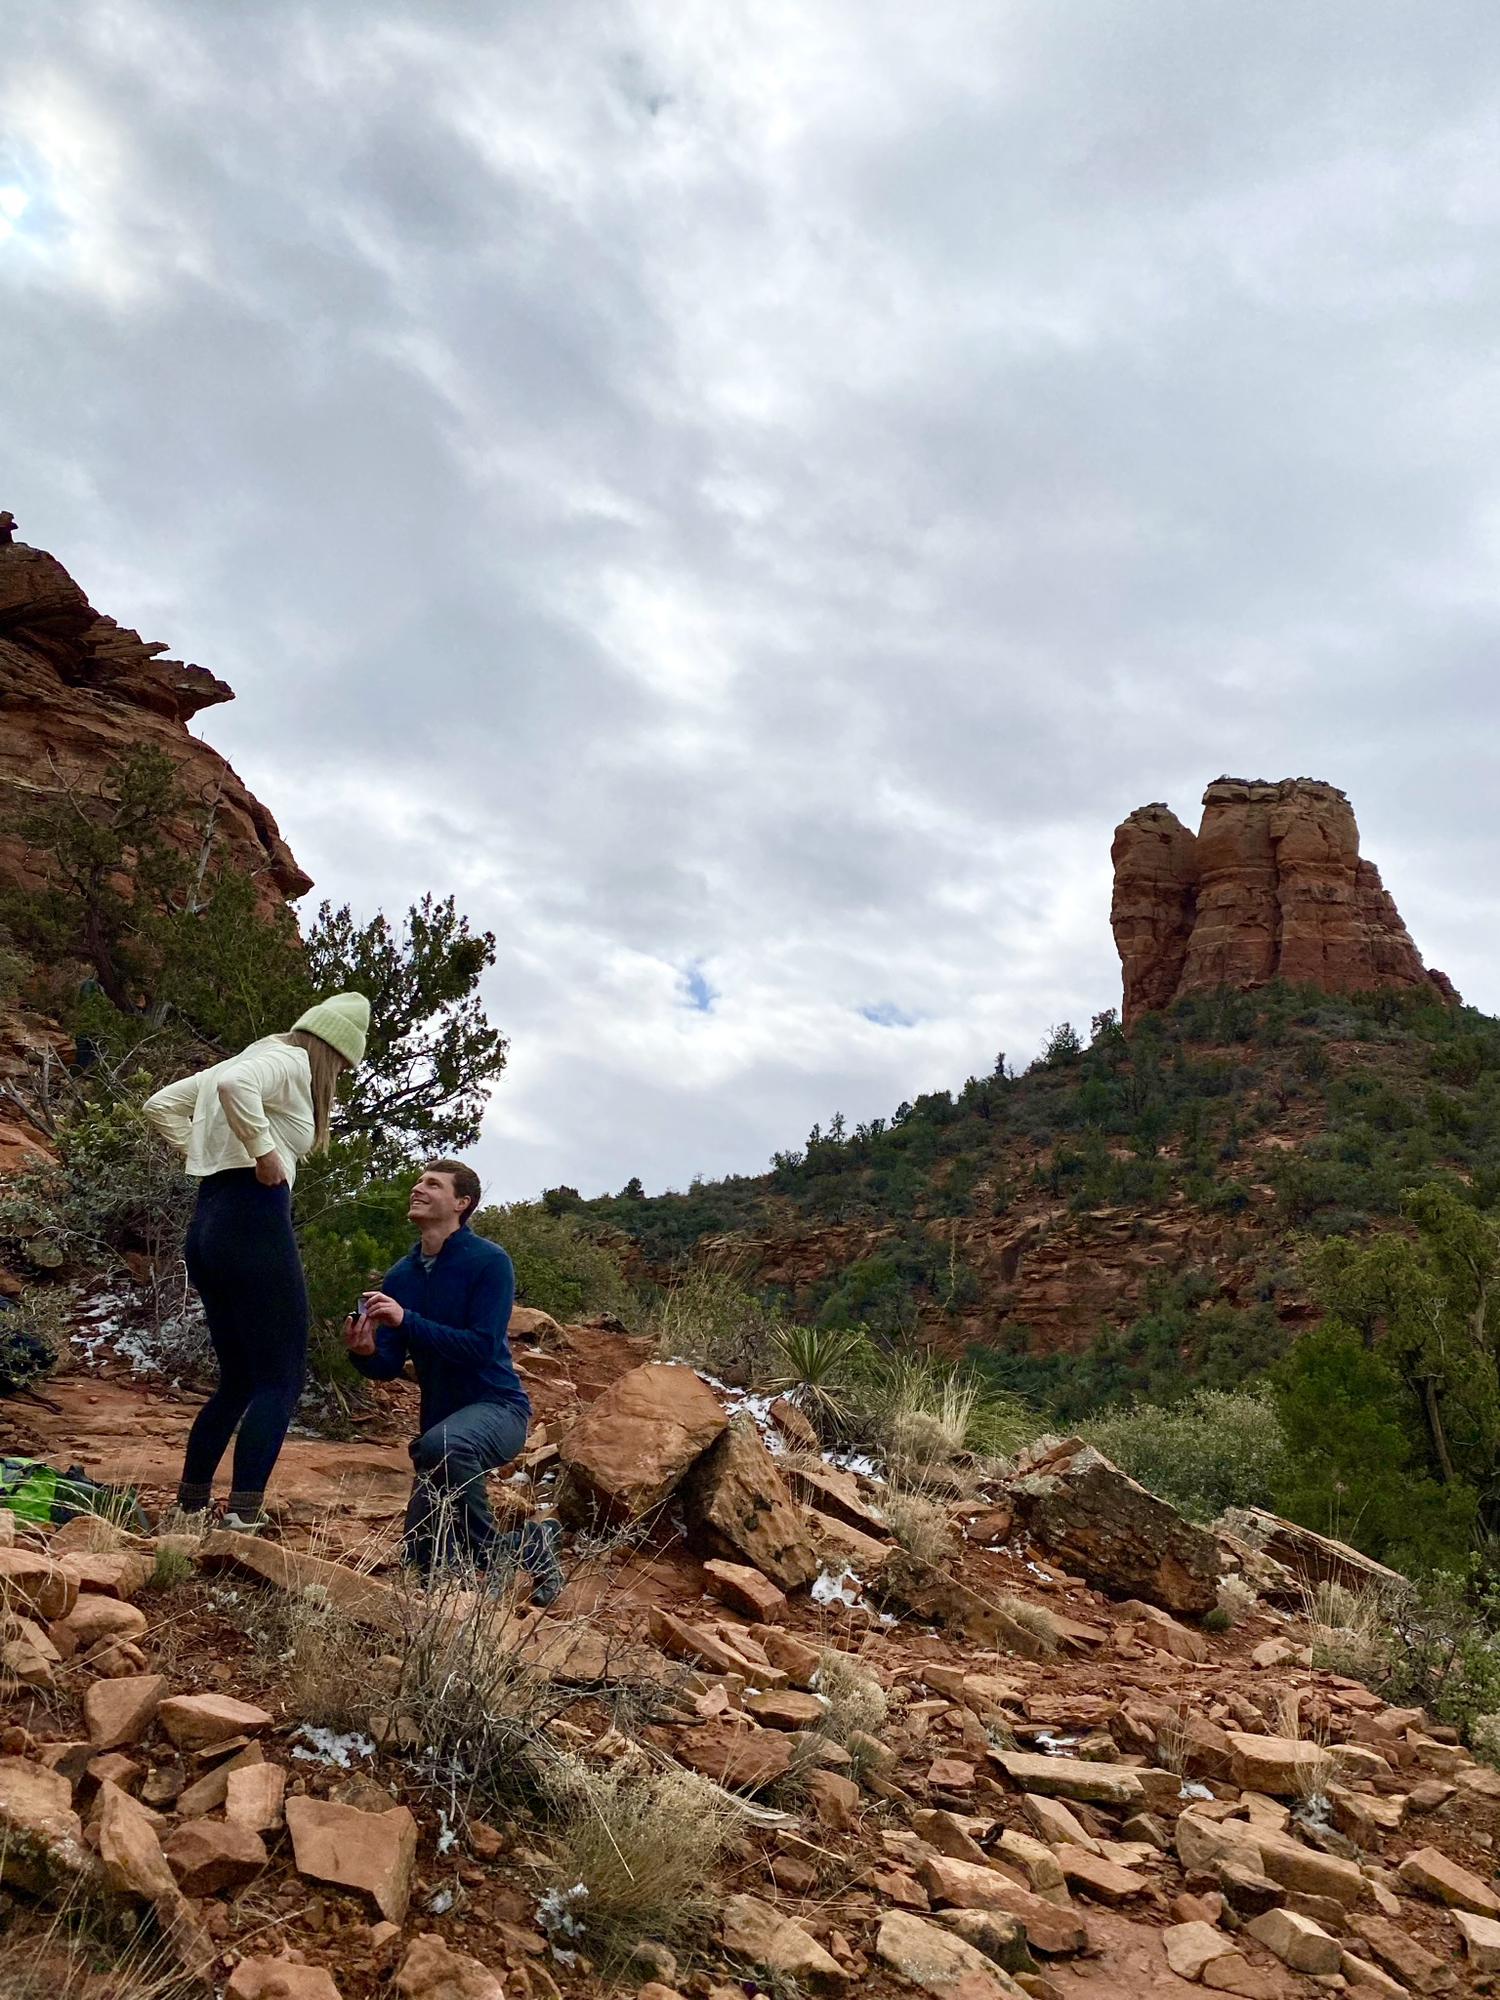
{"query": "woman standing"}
pixel 241 1127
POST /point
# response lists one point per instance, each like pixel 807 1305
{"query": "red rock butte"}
pixel 1272 886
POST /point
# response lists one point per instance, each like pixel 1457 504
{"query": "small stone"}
pixel 834 1799
pixel 95 1619
pixel 123 1573
pixel 1435 1875
pixel 1296 1941
pixel 745 1589
pixel 944 1832
pixel 759 1934
pixel 1071 1778
pixel 119 1712
pixel 1400 1955
pixel 198 1721
pixel 951 1774
pixel 655 1960
pixel 1040 1864
pixel 945 1965
pixel 371 1852
pixel 114 1768
pixel 1191 1947
pixel 41 1837
pixel 130 1848
pixel 208 1793
pixel 1481 1936
pixel 1104 1880
pixel 253 1796
pixel 785 1708
pixel 1429 1795
pixel 30 1581
pixel 1060 1828
pixel 432 1970
pixel 1050 1929
pixel 1285 1766
pixel 210 1856
pixel 280 1979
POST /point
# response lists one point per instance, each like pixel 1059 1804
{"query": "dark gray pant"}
pixel 448 1518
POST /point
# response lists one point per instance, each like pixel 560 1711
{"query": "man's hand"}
pixel 270 1171
pixel 382 1310
pixel 359 1335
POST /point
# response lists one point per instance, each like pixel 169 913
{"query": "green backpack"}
pixel 36 1491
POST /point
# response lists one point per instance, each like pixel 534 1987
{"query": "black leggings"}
pixel 242 1257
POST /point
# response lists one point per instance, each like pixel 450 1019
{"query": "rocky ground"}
pixel 1050 1777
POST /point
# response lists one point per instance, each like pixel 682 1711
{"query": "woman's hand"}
pixel 270 1171
pixel 382 1310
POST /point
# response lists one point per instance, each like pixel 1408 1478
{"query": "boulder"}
pixel 1051 1928
pixel 200 1721
pixel 373 1852
pixel 1100 1522
pixel 530 1323
pixel 210 1856
pixel 757 1933
pixel 432 1970
pixel 786 1708
pixel 280 1979
pixel 737 1505
pixel 833 1798
pixel 939 1961
pixel 629 1450
pixel 828 1489
pixel 119 1712
pixel 1312 1558
pixel 1000 1937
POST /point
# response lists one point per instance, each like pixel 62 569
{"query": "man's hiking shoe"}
pixel 540 1541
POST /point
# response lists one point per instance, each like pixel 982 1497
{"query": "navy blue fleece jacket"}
pixel 454 1328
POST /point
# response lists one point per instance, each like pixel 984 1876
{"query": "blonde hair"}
pixel 325 1067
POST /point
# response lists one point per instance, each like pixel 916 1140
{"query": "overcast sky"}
pixel 748 492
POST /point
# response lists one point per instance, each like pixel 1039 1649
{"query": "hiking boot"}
pixel 540 1541
pixel 175 1520
pixel 254 1524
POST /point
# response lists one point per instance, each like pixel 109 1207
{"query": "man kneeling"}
pixel 447 1306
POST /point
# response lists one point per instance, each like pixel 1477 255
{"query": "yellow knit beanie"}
pixel 342 1021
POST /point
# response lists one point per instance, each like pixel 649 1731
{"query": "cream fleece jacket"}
pixel 257 1102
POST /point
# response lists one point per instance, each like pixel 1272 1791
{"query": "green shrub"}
pixel 1216 1450
pixel 560 1269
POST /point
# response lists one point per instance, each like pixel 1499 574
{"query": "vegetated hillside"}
pixel 1128 1215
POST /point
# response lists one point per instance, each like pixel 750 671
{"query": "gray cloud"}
pixel 751 497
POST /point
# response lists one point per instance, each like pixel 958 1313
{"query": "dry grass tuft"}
pixel 641 1844
pixel 1350 1633
pixel 78 1953
pixel 172 1568
pixel 920 1524
pixel 854 1701
pixel 1033 1618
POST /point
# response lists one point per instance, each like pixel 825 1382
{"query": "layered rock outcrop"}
pixel 78 695
pixel 1272 886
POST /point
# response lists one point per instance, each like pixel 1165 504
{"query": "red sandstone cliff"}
pixel 1273 886
pixel 78 694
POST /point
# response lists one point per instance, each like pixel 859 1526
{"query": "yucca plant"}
pixel 818 1365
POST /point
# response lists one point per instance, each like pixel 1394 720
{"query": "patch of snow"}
pixel 1193 1790
pixel 1055 1746
pixel 845 1588
pixel 447 1839
pixel 556 1912
pixel 440 1904
pixel 328 1747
